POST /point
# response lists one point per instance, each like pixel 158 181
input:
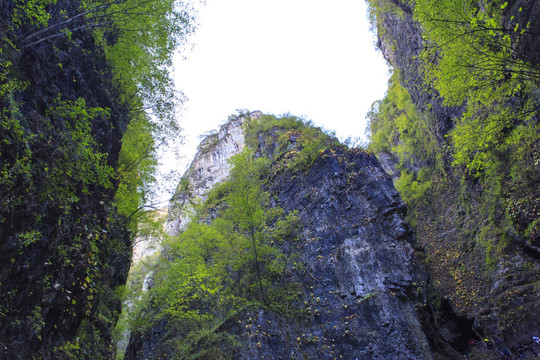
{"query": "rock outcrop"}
pixel 362 282
pixel 361 278
pixel 209 167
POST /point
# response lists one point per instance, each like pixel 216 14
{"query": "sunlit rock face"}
pixel 209 167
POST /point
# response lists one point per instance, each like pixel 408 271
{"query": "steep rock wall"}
pixel 363 285
pixel 60 259
pixel 208 168
pixel 361 276
pixel 489 299
pixel 401 43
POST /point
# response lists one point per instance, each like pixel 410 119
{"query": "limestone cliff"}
pixel 362 284
pixel 209 167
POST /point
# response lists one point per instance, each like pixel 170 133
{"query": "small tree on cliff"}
pixel 213 269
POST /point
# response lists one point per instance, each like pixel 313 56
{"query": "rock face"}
pixel 525 12
pixel 62 252
pixel 208 168
pixel 361 277
pixel 363 285
pixel 401 44
pixel 479 296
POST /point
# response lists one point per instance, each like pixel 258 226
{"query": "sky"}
pixel 310 58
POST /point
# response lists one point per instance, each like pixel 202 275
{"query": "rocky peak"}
pixel 209 167
pixel 362 285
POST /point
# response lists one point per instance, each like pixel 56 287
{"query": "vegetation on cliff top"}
pixel 296 142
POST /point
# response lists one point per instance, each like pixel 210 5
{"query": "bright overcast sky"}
pixel 310 58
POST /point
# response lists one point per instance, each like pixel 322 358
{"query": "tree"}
pixel 396 127
pixel 473 58
pixel 138 38
pixel 470 59
pixel 224 263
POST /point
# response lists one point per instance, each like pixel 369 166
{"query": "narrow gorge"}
pixel 280 241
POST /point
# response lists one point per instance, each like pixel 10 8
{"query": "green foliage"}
pixel 57 181
pixel 483 178
pixel 80 157
pixel 311 143
pixel 136 167
pixel 14 140
pixel 494 241
pixel 476 65
pixel 8 85
pixel 150 32
pixel 31 12
pixel 413 187
pixel 268 122
pixel 53 165
pixel 220 265
pixel 28 237
pixel 76 167
pixel 298 142
pixel 396 127
pixel 87 344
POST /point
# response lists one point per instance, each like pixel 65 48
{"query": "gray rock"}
pixel 209 167
pixel 363 286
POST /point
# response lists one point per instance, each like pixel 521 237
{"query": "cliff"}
pixel 65 239
pixel 281 241
pixel 458 133
pixel 470 215
pixel 209 167
pixel 360 287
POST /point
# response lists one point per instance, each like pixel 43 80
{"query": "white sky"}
pixel 312 58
